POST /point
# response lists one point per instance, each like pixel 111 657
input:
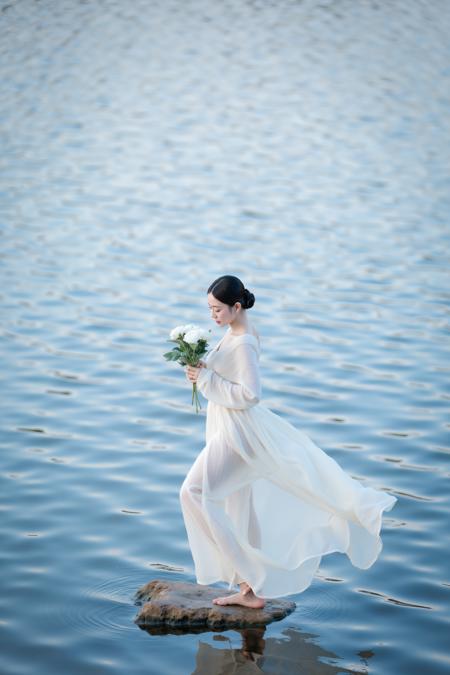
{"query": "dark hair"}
pixel 229 289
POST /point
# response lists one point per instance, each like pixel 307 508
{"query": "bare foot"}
pixel 247 600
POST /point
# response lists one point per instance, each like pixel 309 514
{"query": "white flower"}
pixel 177 332
pixel 189 326
pixel 193 336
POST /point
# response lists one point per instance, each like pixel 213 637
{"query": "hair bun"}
pixel 230 290
pixel 249 298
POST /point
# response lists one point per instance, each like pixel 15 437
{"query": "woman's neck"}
pixel 239 329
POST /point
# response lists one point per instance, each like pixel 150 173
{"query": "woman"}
pixel 262 502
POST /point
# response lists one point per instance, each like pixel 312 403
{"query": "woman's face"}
pixel 221 313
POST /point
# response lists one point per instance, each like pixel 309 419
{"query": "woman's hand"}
pixel 192 371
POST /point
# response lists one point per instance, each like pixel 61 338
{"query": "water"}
pixel 148 148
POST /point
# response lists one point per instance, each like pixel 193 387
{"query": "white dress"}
pixel 262 502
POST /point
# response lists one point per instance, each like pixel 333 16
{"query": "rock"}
pixel 179 603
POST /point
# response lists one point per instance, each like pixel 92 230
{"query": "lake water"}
pixel 147 148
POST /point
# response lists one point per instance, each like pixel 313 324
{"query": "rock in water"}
pixel 179 603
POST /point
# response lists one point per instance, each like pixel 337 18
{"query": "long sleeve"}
pixel 239 395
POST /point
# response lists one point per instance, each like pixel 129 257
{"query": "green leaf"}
pixel 171 356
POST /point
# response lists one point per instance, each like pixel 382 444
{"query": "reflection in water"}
pixel 295 653
pixel 146 148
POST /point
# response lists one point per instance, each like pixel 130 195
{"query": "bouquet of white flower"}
pixel 192 343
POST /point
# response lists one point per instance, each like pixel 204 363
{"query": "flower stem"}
pixel 195 395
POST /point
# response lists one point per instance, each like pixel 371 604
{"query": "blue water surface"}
pixel 147 148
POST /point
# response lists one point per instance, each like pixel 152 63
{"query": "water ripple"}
pixel 147 149
pixel 105 609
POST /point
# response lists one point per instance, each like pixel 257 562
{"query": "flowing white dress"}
pixel 262 502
